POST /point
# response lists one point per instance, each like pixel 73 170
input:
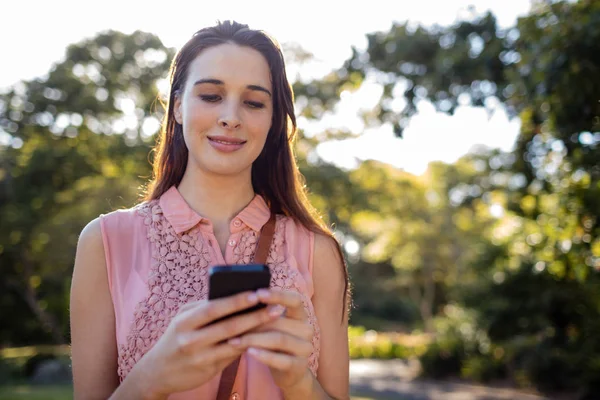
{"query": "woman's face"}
pixel 225 109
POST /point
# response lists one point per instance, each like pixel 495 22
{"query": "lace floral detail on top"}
pixel 282 276
pixel 178 275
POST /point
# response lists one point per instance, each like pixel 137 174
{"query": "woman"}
pixel 140 323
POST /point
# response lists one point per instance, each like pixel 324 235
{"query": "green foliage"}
pixel 9 372
pixel 460 348
pixel 36 393
pixel 371 344
pixel 531 268
pixel 17 364
pixel 545 321
pixel 79 143
pixel 483 368
pixel 504 248
pixel 442 359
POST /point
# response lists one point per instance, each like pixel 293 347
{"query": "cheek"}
pixel 196 114
pixel 195 125
pixel 261 126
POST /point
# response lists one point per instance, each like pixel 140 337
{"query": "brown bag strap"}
pixel 227 380
pixel 264 241
pixel 260 257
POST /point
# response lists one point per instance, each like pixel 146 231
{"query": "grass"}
pixel 65 392
pixel 364 397
pixel 16 358
pixel 22 392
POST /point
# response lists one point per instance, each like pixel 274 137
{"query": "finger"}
pixel 228 328
pixel 294 327
pixel 191 305
pixel 275 360
pixel 276 341
pixel 289 299
pixel 208 311
pixel 220 365
pixel 219 354
pixel 238 325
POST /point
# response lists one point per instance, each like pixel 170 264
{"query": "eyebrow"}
pixel 220 82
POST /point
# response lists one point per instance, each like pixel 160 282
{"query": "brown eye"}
pixel 255 104
pixel 211 98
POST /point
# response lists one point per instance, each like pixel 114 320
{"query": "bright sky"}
pixel 34 35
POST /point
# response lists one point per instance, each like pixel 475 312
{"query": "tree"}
pixel 545 71
pixel 76 140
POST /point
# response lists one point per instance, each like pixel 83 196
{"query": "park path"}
pixel 396 379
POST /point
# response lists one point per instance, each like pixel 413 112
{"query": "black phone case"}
pixel 227 280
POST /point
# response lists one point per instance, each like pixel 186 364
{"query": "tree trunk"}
pixel 29 294
pixel 422 293
pixel 426 305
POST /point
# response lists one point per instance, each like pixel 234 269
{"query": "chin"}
pixel 224 166
pixel 228 170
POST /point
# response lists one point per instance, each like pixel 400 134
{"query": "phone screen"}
pixel 228 280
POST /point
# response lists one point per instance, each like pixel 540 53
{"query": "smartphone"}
pixel 228 280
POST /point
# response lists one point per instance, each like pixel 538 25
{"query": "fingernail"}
pixel 235 341
pixel 263 293
pixel 276 310
pixel 253 351
pixel 252 298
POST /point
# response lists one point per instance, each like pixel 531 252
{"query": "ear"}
pixel 177 109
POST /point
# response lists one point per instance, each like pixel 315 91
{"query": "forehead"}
pixel 233 64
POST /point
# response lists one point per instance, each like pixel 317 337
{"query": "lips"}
pixel 225 144
pixel 226 140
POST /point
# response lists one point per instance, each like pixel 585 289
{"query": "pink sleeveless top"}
pixel 158 255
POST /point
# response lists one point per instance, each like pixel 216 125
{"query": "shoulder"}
pixel 328 262
pixel 324 249
pixel 141 209
pixel 126 218
pixel 90 249
pixel 327 249
pixel 296 234
pixel 91 235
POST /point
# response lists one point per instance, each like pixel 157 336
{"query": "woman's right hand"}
pixel 192 351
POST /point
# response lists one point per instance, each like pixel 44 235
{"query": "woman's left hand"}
pixel 284 345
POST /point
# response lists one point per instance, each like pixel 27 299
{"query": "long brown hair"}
pixel 275 174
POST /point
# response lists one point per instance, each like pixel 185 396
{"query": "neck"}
pixel 218 198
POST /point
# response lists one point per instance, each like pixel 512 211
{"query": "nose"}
pixel 229 123
pixel 229 118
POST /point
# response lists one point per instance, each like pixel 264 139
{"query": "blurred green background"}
pixel 485 269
